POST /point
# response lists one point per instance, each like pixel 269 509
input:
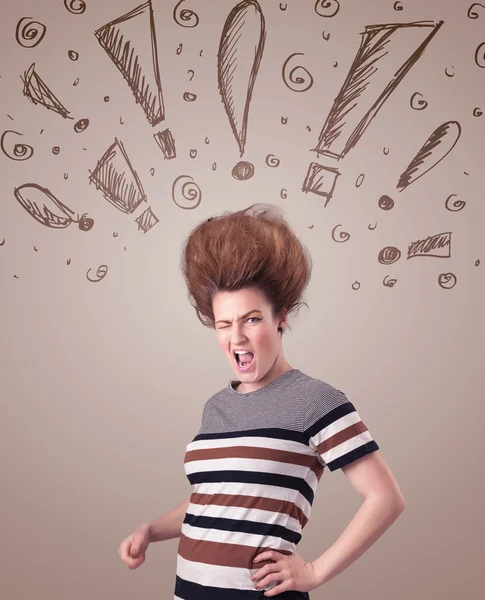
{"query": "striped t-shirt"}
pixel 254 467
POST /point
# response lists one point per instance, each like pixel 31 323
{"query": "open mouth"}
pixel 244 361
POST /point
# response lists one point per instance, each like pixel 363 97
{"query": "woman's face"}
pixel 244 321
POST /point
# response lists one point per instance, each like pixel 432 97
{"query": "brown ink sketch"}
pixel 386 54
pixel 146 220
pixel 166 142
pixel 321 180
pixel 438 245
pixel 29 34
pixel 118 181
pixel 44 207
pixel 38 93
pixel 238 59
pixel 439 144
pixel 131 43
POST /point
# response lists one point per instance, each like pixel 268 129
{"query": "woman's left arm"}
pixel 384 502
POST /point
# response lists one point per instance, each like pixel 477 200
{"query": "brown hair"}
pixel 240 250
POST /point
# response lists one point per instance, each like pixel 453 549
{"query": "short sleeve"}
pixel 334 429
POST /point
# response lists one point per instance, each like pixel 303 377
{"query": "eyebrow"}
pixel 243 317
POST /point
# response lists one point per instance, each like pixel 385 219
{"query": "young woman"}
pixel 266 438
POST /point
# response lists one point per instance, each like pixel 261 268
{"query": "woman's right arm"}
pixel 169 525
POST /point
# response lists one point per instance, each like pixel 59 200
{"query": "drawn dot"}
pixel 189 97
pixel 73 55
pixel 385 202
pixel 76 82
pixel 389 255
pixel 243 170
pixel 81 125
pixel 359 180
pixel 56 150
pixel 106 98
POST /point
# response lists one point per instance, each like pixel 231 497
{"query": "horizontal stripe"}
pixel 254 467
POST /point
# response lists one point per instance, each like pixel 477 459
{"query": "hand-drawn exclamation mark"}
pixel 131 43
pixel 238 59
pixel 384 57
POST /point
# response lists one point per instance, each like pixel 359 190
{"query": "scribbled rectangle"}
pixel 386 53
pixel 166 142
pixel 131 43
pixel 438 245
pixel 321 180
pixel 146 220
pixel 116 178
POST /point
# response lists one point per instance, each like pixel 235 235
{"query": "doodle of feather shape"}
pixel 238 59
pixel 41 204
pixel 439 144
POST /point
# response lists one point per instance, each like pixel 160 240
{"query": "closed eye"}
pixel 257 319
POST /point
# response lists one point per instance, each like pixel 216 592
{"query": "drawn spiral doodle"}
pixel 327 8
pixel 186 193
pixel 388 282
pixel 477 112
pixel 420 104
pixel 447 280
pixel 389 255
pixel 186 17
pixel 398 6
pixel 30 34
pixel 101 273
pixel 372 227
pixel 480 55
pixel 19 151
pixel 284 193
pixel 344 235
pixel 457 204
pixel 76 7
pixel 472 14
pixel 297 84
pixel 272 161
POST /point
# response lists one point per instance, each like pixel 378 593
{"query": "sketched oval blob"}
pixel 76 7
pixel 185 17
pixel 243 170
pixel 73 55
pixel 385 202
pixel 296 83
pixel 29 34
pixel 81 125
pixel 439 144
pixel 327 8
pixel 186 193
pixel 19 151
pixel 389 255
pixel 44 207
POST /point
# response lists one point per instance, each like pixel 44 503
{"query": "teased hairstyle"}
pixel 243 250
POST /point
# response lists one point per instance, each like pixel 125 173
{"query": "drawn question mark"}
pixel 193 73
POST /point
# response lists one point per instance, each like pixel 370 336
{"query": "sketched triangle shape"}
pixel 117 179
pixel 134 52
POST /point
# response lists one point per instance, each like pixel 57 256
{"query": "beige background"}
pixel 102 384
